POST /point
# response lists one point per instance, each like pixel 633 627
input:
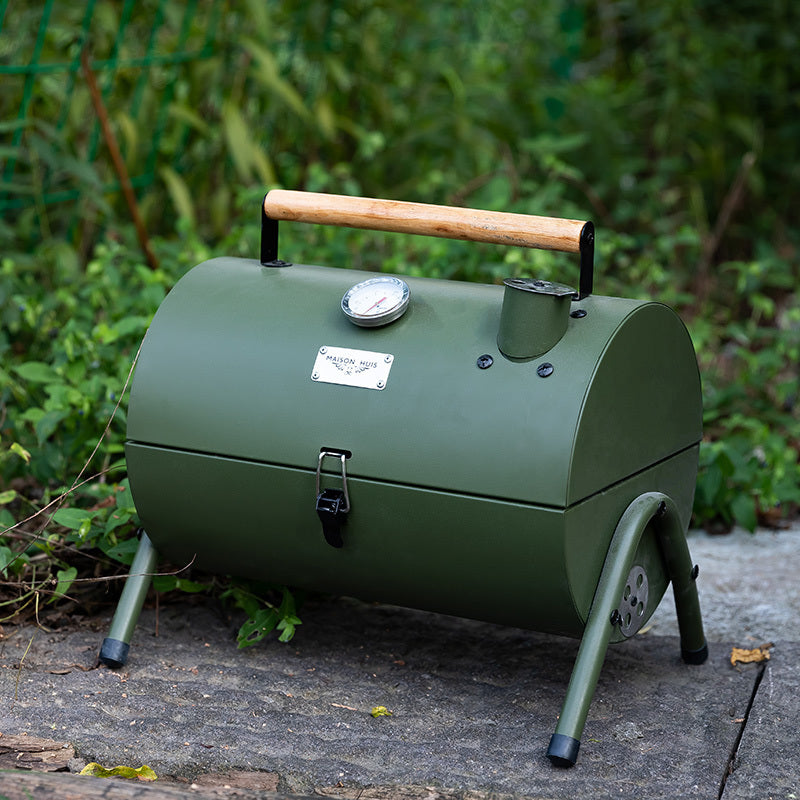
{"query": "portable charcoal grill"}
pixel 523 454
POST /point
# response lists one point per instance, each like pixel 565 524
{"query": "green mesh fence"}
pixel 137 50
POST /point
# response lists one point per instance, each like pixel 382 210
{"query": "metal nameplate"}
pixel 347 367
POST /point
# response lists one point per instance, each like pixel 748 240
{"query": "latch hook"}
pixel 333 504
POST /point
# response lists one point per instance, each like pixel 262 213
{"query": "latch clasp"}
pixel 333 504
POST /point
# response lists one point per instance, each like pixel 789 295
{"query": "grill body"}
pixel 489 493
pixel 523 454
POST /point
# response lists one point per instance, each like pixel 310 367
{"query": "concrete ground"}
pixel 472 704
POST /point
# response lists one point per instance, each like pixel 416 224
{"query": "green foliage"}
pixel 746 477
pixel 57 178
pixel 675 133
pixel 263 616
pixel 749 355
pixel 68 341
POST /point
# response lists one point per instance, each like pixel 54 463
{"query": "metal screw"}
pixel 380 384
pixel 545 370
pixel 389 358
pixel 485 361
pixel 616 617
pixel 695 572
pixel 579 313
pixel 315 376
pixel 323 350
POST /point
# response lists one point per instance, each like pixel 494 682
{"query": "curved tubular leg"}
pixel 114 651
pixel 565 742
pixel 678 563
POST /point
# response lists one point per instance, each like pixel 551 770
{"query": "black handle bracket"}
pixel 269 241
pixel 586 245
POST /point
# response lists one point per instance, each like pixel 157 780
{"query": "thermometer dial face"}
pixel 376 301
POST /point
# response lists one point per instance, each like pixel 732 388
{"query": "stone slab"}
pixel 767 762
pixel 748 587
pixel 473 704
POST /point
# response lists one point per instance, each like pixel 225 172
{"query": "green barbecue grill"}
pixel 524 454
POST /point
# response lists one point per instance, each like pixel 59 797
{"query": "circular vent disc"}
pixel 633 604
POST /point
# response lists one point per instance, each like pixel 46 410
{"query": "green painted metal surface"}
pixel 650 514
pixel 529 492
pixel 226 369
pixel 531 322
pixel 489 493
pixel 114 651
pixel 513 563
pixel 133 595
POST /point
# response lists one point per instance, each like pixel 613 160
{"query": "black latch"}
pixel 333 504
pixel 330 505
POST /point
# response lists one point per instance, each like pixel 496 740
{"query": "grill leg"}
pixel 653 506
pixel 114 651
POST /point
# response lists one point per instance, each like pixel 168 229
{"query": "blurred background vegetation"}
pixel 674 126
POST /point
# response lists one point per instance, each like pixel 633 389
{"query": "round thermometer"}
pixel 376 301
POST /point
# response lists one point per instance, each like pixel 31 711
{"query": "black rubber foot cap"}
pixel 563 750
pixel 114 653
pixel 695 656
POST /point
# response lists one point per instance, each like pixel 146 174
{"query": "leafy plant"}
pixel 263 616
pixel 746 477
pixel 646 118
pixel 68 341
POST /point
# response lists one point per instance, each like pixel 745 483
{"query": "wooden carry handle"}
pixel 494 227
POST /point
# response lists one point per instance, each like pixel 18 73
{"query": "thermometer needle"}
pixel 374 304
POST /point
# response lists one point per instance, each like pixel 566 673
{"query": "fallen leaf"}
pixel 109 501
pixel 380 711
pixel 756 655
pixel 143 773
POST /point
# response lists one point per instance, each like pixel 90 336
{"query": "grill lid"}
pixel 226 369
